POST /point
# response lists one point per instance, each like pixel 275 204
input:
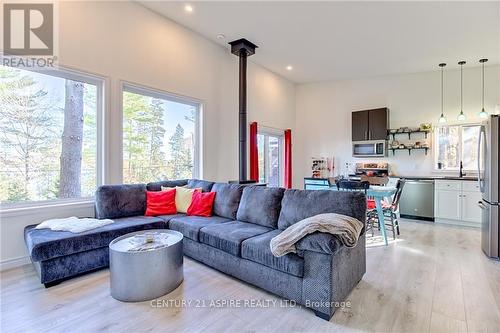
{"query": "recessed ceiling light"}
pixel 221 36
pixel 188 8
pixel 289 68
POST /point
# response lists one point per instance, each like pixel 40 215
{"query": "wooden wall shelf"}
pixel 409 149
pixel 408 133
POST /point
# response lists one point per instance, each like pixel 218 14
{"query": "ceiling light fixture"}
pixel 289 68
pixel 188 8
pixel 461 115
pixel 221 36
pixel 483 113
pixel 442 119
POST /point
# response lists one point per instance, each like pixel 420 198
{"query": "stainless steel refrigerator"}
pixel 489 142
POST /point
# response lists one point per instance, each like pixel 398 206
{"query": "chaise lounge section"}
pixel 59 255
pixel 235 240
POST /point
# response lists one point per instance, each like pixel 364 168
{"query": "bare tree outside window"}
pixel 72 139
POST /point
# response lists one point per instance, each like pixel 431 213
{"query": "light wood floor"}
pixel 434 279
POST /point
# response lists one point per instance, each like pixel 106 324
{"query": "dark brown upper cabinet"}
pixel 360 126
pixel 378 124
pixel 370 124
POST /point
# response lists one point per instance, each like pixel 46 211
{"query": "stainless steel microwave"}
pixel 375 148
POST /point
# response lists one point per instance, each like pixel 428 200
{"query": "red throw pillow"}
pixel 160 203
pixel 202 203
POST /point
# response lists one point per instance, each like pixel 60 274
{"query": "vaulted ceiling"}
pixel 342 40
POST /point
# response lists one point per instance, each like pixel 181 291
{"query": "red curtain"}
pixel 254 153
pixel 288 158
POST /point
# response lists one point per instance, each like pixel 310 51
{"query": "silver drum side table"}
pixel 145 265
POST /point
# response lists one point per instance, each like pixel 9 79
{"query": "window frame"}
pixel 134 88
pixel 280 134
pixel 436 150
pixel 102 84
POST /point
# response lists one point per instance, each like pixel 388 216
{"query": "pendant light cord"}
pixel 442 90
pixel 441 118
pixel 461 89
pixel 483 90
pixel 483 113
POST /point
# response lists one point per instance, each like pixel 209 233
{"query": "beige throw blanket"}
pixel 346 227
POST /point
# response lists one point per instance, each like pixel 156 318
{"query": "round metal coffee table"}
pixel 145 265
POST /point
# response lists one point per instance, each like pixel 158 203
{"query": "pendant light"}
pixel 442 119
pixel 483 113
pixel 461 115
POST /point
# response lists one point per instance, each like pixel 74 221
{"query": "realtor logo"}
pixel 28 29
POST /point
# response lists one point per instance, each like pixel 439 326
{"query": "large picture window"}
pixel 49 135
pixel 457 143
pixel 160 136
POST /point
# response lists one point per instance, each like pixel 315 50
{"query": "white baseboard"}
pixel 14 262
pixel 458 222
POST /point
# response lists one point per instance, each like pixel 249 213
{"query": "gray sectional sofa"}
pixel 235 240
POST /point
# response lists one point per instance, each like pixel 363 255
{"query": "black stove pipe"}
pixel 243 116
pixel 243 49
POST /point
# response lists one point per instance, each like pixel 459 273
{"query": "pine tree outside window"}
pixel 160 135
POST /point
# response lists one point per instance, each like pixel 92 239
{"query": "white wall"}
pixel 124 41
pixel 323 113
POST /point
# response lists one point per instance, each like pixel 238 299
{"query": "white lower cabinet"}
pixel 455 202
pixel 447 204
pixel 470 209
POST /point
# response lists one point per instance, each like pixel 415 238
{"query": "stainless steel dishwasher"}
pixel 417 199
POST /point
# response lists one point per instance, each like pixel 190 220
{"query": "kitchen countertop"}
pixel 471 178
